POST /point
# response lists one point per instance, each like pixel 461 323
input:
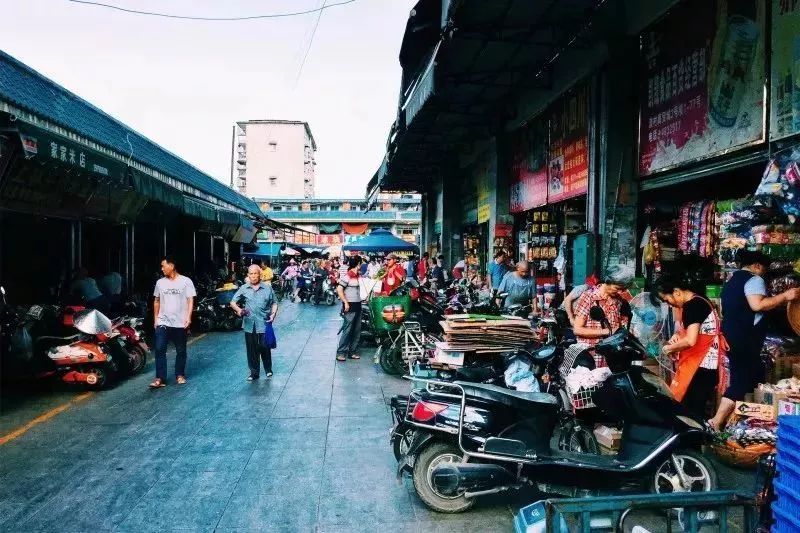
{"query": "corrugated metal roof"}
pixel 26 88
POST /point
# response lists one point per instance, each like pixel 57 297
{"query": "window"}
pixel 273 180
pixel 273 146
pixel 277 208
pixel 315 208
pixel 334 208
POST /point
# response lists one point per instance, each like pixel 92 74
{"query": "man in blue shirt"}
pixel 498 269
pixel 259 301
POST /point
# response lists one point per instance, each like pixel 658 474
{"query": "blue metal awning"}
pixel 262 249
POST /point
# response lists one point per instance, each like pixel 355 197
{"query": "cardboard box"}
pixel 608 437
pixel 607 451
pixel 759 411
pixel 772 397
pixel 445 356
pixel 789 407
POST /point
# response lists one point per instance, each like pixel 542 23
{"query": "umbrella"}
pixel 290 251
pixel 381 240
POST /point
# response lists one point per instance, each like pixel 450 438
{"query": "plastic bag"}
pixel 519 376
pixel 270 340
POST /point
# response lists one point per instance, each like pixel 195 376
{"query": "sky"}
pixel 183 84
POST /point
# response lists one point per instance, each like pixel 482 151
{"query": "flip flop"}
pixel 355 356
pixel 157 384
pixel 341 358
pixel 181 380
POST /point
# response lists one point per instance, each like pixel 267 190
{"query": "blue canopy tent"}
pixel 380 240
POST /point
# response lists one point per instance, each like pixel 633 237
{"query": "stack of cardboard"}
pixel 466 333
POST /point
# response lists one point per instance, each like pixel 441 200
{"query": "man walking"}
pixel 173 304
pixel 260 307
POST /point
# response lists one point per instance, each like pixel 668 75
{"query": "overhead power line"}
pixel 310 42
pixel 224 19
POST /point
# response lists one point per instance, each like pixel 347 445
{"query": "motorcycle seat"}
pixel 529 401
pixel 543 353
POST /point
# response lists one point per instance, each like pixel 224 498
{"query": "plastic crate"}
pixel 787 502
pixel 789 433
pixel 784 522
pixel 533 519
pixel 789 469
pixel 376 305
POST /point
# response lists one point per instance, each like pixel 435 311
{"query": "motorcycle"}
pixel 94 356
pixel 131 338
pixel 205 314
pixel 329 291
pixel 306 292
pixel 473 439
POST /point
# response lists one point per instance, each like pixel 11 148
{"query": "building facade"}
pixel 337 221
pixel 273 159
pixel 585 130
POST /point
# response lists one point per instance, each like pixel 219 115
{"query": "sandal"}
pixel 157 384
pixel 341 358
pixel 355 356
pixel 181 380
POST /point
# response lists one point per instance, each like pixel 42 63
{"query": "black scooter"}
pixel 473 439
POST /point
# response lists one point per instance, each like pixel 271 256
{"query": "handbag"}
pixel 270 341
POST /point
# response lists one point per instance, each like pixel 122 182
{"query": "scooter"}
pixel 329 291
pixel 93 357
pixel 473 439
pixel 131 338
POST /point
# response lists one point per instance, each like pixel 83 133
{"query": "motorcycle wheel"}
pixel 138 359
pixel 98 378
pixel 386 356
pixel 700 473
pixel 330 299
pixel 577 439
pixel 401 442
pixel 431 457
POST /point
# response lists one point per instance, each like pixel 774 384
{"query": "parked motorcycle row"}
pixel 465 432
pixel 70 343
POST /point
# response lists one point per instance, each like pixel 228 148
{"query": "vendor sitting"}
pixel 607 296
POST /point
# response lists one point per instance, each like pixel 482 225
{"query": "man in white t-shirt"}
pixel 173 303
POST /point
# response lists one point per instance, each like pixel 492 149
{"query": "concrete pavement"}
pixel 306 450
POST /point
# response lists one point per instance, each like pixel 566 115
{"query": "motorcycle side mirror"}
pixel 2 290
pixel 597 314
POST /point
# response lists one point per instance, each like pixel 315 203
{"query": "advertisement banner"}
pixel 704 65
pixel 785 101
pixel 568 166
pixel 529 167
pixel 329 240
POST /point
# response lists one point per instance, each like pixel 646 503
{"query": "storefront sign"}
pixel 52 148
pixel 704 64
pixel 568 167
pixel 329 240
pixel 503 230
pixel 785 61
pixel 529 167
pixel 484 213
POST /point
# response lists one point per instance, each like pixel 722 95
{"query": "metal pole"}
pixel 126 254
pixel 233 151
pixel 79 242
pixel 164 239
pixel 194 250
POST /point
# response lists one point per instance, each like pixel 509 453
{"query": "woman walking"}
pixel 696 347
pixel 349 293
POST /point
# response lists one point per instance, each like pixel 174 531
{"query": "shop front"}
pixel 715 179
pixel 549 189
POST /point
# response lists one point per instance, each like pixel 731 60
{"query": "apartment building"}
pixel 273 159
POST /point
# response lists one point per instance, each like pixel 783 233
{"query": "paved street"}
pixel 304 451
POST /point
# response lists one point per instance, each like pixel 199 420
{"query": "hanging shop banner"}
pixel 329 240
pixel 529 167
pixel 503 230
pixel 704 64
pixel 355 229
pixel 785 61
pixel 484 174
pixel 568 166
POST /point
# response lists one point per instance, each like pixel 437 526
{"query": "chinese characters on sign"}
pixel 329 240
pixel 529 167
pixel 704 64
pixel 785 62
pixel 568 168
